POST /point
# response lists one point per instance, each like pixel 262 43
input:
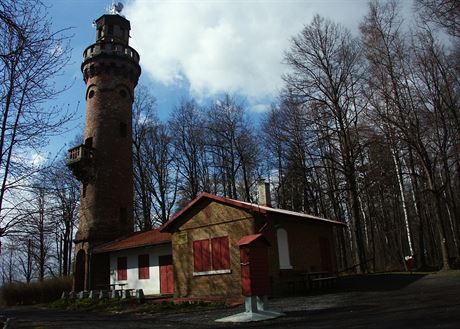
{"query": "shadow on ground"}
pixel 377 282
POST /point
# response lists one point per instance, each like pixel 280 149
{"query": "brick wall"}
pixel 212 220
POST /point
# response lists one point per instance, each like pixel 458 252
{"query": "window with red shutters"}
pixel 143 266
pixel 122 268
pixel 211 254
pixel 201 256
pixel 220 253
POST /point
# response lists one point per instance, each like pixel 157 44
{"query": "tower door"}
pixel 79 276
pixel 166 274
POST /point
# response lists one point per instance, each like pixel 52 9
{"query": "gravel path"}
pixel 432 301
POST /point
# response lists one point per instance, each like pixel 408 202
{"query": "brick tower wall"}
pixel 110 71
pixel 107 200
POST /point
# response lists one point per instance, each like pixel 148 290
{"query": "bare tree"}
pixel 38 227
pixel 325 76
pixel 187 123
pixel 24 257
pixel 31 56
pixel 445 13
pixel 394 100
pixel 436 88
pixel 8 263
pixel 232 146
pixel 156 175
pixel 64 191
pixel 274 140
pixel 159 156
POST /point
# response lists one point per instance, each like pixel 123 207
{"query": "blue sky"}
pixel 197 48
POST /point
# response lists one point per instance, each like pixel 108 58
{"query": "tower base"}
pixel 92 271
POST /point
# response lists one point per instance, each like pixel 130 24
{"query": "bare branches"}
pixel 32 55
pixel 445 13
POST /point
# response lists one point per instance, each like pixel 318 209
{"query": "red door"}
pixel 254 270
pixel 166 275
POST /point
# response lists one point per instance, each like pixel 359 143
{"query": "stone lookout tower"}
pixel 103 163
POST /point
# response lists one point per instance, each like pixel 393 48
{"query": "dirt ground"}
pixel 377 301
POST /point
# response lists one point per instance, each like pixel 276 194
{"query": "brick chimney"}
pixel 264 193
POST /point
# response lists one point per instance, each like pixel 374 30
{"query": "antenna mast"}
pixel 115 8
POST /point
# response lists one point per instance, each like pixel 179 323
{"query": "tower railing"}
pixel 113 49
pixel 80 161
pixel 79 153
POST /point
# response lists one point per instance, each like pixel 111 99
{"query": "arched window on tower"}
pixel 283 249
pixel 89 142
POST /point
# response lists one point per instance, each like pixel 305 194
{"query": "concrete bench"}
pixel 126 293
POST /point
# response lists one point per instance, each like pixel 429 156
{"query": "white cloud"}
pixel 36 160
pixel 260 108
pixel 222 46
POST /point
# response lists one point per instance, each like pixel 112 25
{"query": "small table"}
pixel 113 286
pixel 315 275
pixel 120 285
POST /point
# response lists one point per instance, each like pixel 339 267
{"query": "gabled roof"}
pixel 248 239
pixel 243 205
pixel 135 240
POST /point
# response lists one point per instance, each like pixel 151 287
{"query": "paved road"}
pixel 432 301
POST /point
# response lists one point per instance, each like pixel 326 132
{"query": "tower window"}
pixel 110 30
pixel 123 129
pixel 89 142
pixel 91 94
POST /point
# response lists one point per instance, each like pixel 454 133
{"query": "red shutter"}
pixel 122 266
pixel 220 253
pixel 144 266
pixel 201 256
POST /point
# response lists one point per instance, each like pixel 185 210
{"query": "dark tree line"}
pixel 378 141
pixel 198 149
pixel 365 130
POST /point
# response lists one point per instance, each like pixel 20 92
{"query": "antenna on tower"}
pixel 116 8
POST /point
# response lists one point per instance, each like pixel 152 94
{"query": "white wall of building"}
pixel 150 286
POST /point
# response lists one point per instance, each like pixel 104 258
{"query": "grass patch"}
pixel 131 306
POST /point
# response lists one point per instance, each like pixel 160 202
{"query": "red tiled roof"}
pixel 248 239
pixel 136 240
pixel 245 205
